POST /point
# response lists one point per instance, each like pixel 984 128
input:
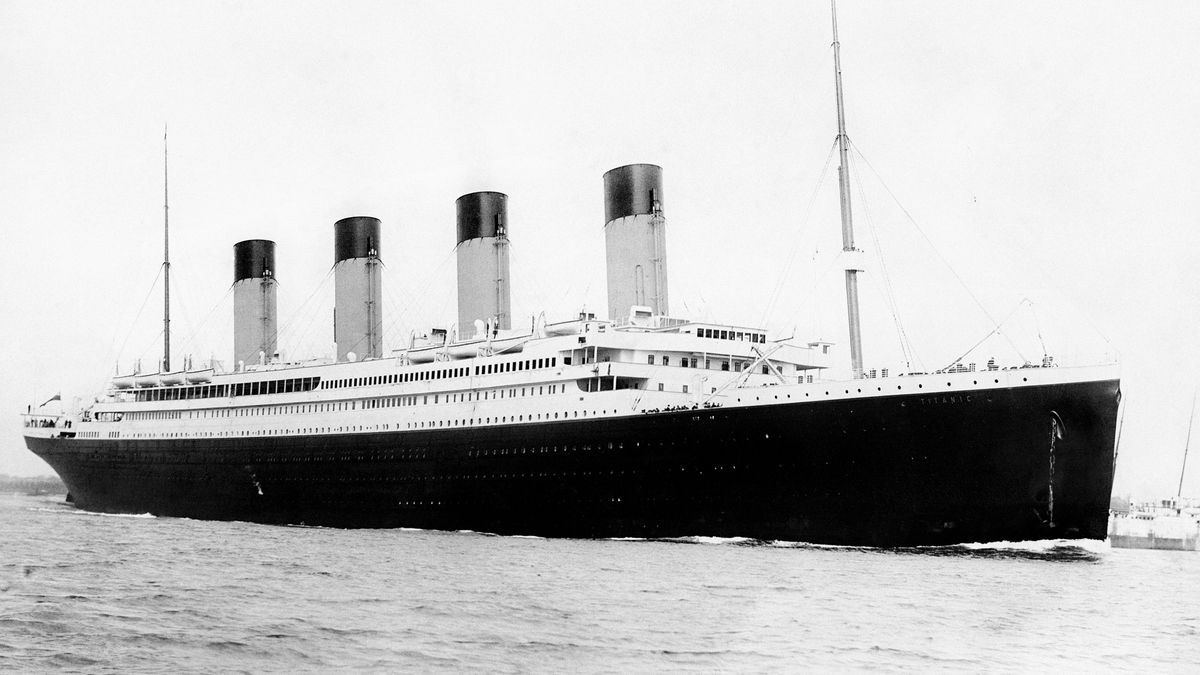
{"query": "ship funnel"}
pixel 483 287
pixel 357 276
pixel 635 240
pixel 254 300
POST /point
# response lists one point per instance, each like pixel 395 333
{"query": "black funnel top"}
pixel 482 214
pixel 356 237
pixel 631 190
pixel 253 259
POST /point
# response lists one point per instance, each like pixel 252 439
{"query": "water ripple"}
pixel 113 594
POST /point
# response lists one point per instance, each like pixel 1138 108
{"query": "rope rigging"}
pixel 889 294
pixel 416 304
pixel 912 221
pixel 292 330
pixel 995 330
pixel 804 224
pixel 153 285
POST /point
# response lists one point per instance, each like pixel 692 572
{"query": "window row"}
pixel 442 373
pixel 740 336
pixel 691 362
pixel 194 391
pixel 364 404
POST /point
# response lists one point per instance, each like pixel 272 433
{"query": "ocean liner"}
pixel 638 424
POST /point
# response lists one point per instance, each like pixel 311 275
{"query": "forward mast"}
pixel 166 360
pixel 848 248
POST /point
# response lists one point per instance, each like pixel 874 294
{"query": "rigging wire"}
pixel 133 325
pixel 422 293
pixel 389 299
pixel 889 294
pixel 567 294
pixel 824 274
pixel 205 321
pixel 992 332
pixel 804 225
pixel 192 335
pixel 909 354
pixel 936 252
pixel 187 324
pixel 291 329
pixel 1037 327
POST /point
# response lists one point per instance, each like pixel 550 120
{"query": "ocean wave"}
pixel 1066 550
pixel 1096 545
pixel 696 539
pixel 117 515
pixel 230 596
pixel 1053 550
pixel 80 512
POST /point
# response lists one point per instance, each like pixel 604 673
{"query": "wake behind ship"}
pixel 641 424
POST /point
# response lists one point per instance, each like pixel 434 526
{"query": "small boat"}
pixel 572 327
pixel 199 376
pixel 172 378
pixel 1169 525
pixel 509 345
pixel 123 381
pixel 465 350
pixel 145 380
pixel 423 354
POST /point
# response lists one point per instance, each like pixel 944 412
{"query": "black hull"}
pixel 881 471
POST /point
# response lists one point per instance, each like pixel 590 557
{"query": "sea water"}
pixel 100 593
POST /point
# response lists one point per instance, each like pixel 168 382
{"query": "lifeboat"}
pixel 423 354
pixel 510 345
pixel 122 382
pixel 146 380
pixel 572 327
pixel 171 378
pixel 464 350
pixel 199 376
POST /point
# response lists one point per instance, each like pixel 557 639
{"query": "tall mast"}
pixel 166 367
pixel 856 361
pixel 1183 469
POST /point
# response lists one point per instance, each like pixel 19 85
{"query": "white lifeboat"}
pixel 510 345
pixel 122 382
pixel 146 380
pixel 171 378
pixel 464 350
pixel 572 327
pixel 423 354
pixel 199 376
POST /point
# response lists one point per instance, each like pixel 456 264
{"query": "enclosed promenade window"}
pixel 199 391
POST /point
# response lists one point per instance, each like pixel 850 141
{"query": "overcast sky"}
pixel 1029 161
